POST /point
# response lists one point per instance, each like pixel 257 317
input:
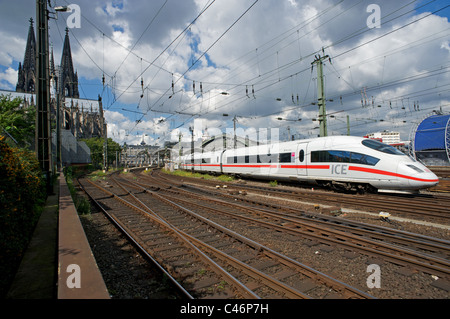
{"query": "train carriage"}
pixel 339 162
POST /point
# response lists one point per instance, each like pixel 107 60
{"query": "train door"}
pixel 301 159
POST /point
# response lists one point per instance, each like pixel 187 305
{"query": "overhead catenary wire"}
pixel 367 42
pixel 206 51
pixel 266 79
pixel 317 51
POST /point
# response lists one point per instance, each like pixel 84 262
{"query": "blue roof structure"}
pixel 432 133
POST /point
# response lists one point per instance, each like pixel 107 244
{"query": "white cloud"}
pixel 8 79
pixel 269 50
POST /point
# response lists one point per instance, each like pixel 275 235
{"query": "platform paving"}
pixel 58 263
pixel 36 276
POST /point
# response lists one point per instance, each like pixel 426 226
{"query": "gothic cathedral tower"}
pixel 68 79
pixel 27 71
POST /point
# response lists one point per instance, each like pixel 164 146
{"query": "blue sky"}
pixel 269 49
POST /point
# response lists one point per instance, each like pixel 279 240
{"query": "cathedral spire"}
pixel 27 71
pixel 68 78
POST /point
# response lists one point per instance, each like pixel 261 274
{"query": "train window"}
pixel 319 156
pixel 340 156
pixel 364 159
pixel 269 158
pixel 375 145
pixel 415 168
pixel 343 157
pixel 206 160
pixel 330 156
pixel 301 156
pixel 285 157
pixel 241 159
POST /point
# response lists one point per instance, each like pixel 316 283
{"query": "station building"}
pixel 431 143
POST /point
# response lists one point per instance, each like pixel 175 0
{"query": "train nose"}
pixel 422 177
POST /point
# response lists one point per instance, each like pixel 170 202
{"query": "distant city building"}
pixel 387 137
pixel 138 155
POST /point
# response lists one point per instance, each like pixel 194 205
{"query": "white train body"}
pixel 345 162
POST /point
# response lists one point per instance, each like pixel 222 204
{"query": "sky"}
pixel 205 63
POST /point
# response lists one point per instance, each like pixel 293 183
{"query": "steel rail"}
pixel 123 229
pixel 440 212
pixel 391 252
pixel 370 231
pixel 246 292
pixel 308 271
pixel 251 271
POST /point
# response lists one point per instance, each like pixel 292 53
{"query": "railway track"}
pixel 205 259
pixel 434 208
pixel 424 253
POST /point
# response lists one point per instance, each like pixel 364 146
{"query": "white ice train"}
pixel 340 162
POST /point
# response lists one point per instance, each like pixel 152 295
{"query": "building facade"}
pixel 387 137
pixel 81 118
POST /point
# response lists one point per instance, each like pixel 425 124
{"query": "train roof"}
pixel 333 140
pixel 329 140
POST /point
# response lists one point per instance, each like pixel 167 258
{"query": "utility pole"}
pixel 179 149
pixel 348 125
pixel 234 127
pixel 192 148
pixel 43 142
pixel 321 94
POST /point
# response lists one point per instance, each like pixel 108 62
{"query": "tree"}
pixel 17 121
pixel 96 144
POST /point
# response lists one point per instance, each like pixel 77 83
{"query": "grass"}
pixel 81 203
pixel 222 178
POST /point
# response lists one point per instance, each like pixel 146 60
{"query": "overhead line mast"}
pixel 43 138
pixel 321 94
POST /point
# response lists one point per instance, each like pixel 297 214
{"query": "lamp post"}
pixel 58 105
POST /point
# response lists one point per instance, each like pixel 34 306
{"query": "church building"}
pixel 79 118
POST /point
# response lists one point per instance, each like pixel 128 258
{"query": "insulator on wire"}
pixel 193 86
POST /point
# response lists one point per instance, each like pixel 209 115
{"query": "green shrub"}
pixel 22 196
